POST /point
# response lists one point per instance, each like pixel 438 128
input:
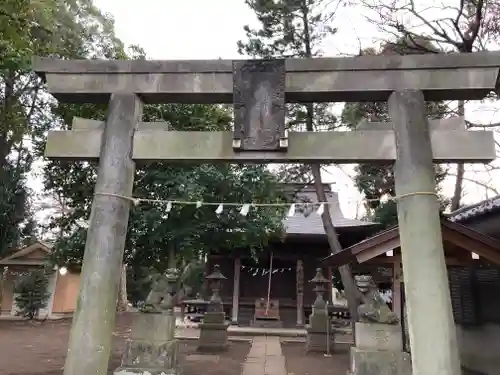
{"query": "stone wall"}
pixel 480 347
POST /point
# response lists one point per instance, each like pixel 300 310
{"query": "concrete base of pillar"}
pixel 379 337
pixel 145 371
pixel 370 362
pixel 213 333
pixel 151 348
pixel 319 342
pixel 320 337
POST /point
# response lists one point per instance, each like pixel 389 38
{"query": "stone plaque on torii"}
pixel 262 88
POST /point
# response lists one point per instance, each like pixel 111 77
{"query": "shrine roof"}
pixel 460 235
pixel 475 210
pixel 312 224
pixel 35 254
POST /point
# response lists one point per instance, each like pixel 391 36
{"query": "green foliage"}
pixel 195 280
pixel 138 284
pixel 14 209
pixel 285 26
pixel 191 231
pixel 32 292
pixel 76 29
pixel 28 28
pixel 377 181
pixel 22 22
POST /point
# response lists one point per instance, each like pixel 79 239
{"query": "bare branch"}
pixel 475 125
pixel 478 183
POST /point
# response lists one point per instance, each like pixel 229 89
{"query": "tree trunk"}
pixel 122 304
pixel 335 246
pixel 333 240
pixel 172 263
pixel 2 276
pixel 457 193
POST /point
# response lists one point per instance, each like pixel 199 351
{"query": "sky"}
pixel 201 29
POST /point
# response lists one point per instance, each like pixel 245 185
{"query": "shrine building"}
pixel 473 265
pixel 273 290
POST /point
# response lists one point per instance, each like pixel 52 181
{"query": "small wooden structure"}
pixel 63 286
pixel 472 260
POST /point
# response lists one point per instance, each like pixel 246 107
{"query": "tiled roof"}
pixel 475 210
pixel 312 224
pixel 38 245
pixel 489 249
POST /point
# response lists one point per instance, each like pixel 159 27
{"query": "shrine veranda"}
pixel 258 91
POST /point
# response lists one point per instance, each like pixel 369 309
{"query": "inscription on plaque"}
pixel 259 105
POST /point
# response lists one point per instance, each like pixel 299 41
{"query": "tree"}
pixel 467 27
pixel 14 205
pixel 296 28
pixel 16 31
pixel 57 28
pixel 33 294
pixel 191 231
pixel 156 238
pixel 376 182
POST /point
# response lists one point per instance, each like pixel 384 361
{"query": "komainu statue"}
pixel 168 289
pixel 372 308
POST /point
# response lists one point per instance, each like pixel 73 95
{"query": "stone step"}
pixel 266 323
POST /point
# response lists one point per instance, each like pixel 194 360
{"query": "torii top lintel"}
pixel 366 78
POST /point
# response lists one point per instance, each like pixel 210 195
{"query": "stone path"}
pixel 265 357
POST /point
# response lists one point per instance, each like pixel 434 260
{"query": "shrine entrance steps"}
pixel 266 323
pixel 287 316
pixel 275 332
pixel 265 357
pixel 245 316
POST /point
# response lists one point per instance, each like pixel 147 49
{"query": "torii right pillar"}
pixel 430 319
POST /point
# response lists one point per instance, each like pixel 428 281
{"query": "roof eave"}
pixel 350 255
pixel 476 210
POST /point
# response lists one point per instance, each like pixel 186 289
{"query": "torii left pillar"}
pixel 93 323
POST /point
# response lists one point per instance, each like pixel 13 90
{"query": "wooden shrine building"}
pixel 463 246
pixel 473 264
pixel 483 216
pixel 281 273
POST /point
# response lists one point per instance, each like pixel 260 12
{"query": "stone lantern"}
pixel 213 330
pixel 319 334
pixel 215 284
pixel 320 283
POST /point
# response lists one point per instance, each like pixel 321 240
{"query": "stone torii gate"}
pixel 259 90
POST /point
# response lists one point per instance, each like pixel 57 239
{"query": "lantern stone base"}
pixel 371 362
pixel 320 337
pixel 152 348
pixel 379 337
pixel 379 351
pixel 213 333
